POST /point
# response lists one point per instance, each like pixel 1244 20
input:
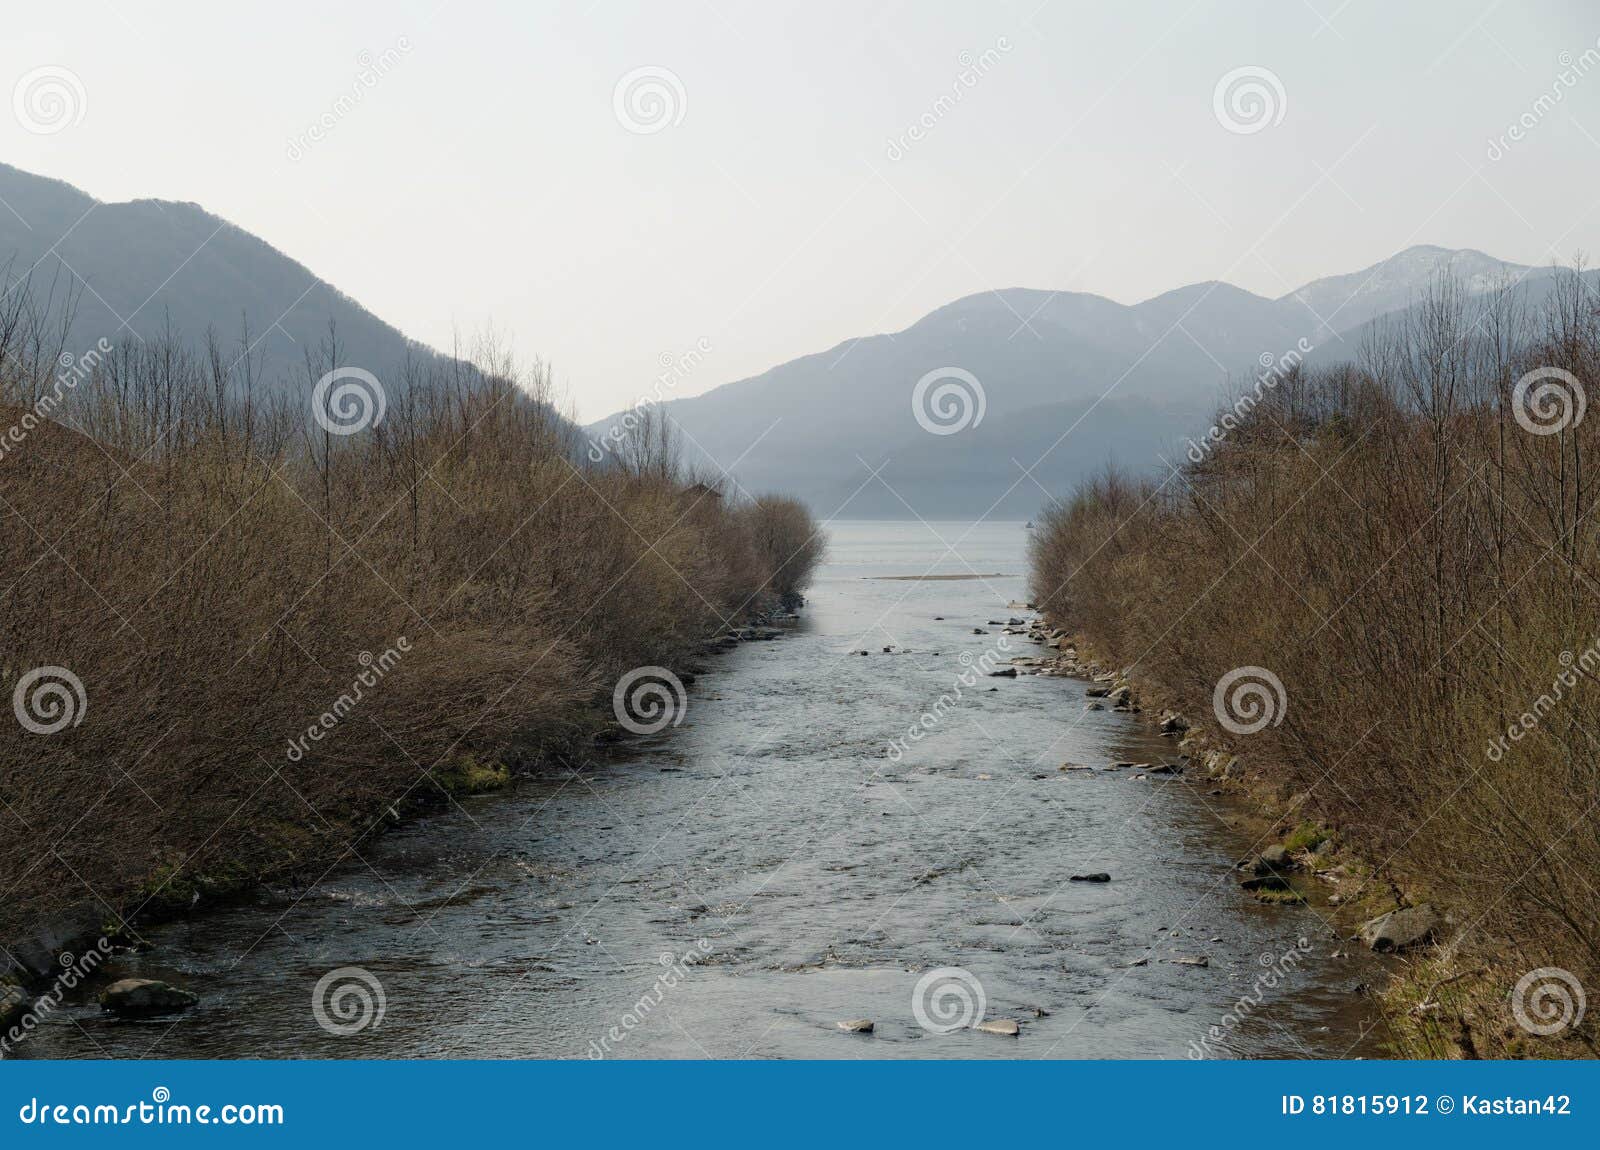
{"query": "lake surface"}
pixel 812 877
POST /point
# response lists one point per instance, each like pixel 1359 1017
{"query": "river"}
pixel 812 877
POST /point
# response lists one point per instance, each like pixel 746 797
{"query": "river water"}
pixel 811 876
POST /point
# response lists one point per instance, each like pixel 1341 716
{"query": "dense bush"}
pixel 457 585
pixel 1421 570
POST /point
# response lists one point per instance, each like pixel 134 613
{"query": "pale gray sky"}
pixel 487 179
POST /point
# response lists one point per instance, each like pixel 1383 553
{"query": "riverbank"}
pixel 243 638
pixel 825 879
pixel 1431 1004
pixel 1371 591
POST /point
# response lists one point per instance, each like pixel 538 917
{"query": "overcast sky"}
pixel 774 201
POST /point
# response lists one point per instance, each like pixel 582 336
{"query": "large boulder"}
pixel 1399 929
pixel 1273 859
pixel 145 998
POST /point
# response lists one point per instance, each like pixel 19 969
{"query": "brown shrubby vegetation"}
pixel 456 585
pixel 1421 571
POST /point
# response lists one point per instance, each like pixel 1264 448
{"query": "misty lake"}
pixel 809 876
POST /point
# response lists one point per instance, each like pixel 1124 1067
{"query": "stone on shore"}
pixel 145 997
pixel 1004 673
pixel 1273 860
pixel 1191 960
pixel 1399 929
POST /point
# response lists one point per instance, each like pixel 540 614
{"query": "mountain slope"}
pixel 1069 381
pixel 140 266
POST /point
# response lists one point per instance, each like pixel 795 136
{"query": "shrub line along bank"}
pixel 239 556
pixel 1394 552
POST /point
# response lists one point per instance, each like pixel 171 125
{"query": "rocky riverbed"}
pixel 792 873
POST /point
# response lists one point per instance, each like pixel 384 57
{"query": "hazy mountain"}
pixel 1069 381
pixel 1342 303
pixel 138 266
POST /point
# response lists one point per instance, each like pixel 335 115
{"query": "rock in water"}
pixel 1004 673
pixel 1005 1026
pixel 1399 929
pixel 855 1025
pixel 1095 876
pixel 144 998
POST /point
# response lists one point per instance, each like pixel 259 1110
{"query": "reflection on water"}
pixel 738 885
